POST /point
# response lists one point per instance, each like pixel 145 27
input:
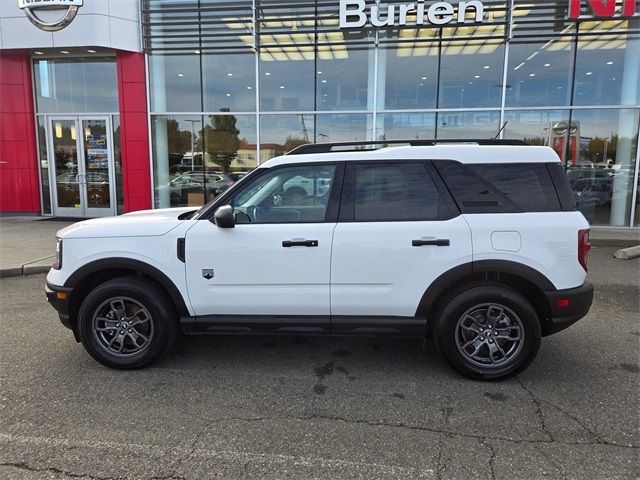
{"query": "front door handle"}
pixel 438 242
pixel 300 243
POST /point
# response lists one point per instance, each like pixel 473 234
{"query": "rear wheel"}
pixel 127 323
pixel 488 332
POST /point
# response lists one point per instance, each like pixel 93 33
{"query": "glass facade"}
pixel 235 83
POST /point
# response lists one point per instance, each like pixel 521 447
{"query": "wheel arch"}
pixel 528 281
pixel 89 276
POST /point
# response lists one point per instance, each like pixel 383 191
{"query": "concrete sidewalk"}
pixel 27 244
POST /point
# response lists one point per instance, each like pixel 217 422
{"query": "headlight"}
pixel 57 265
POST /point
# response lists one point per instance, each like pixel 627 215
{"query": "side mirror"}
pixel 223 217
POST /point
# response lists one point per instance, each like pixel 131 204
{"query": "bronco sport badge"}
pixel 70 8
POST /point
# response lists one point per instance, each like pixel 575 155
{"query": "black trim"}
pixel 456 274
pixel 440 242
pixel 250 324
pixel 563 188
pixel 580 300
pixel 378 325
pixel 118 262
pixel 181 249
pixel 61 306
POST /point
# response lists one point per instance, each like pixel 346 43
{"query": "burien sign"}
pixel 67 8
pixel 353 13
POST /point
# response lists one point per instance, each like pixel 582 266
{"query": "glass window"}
pixel 468 124
pixel 541 127
pixel 286 195
pixel 286 78
pixel 343 127
pixel 408 76
pixel 471 74
pixel 175 83
pixel 342 77
pixel 406 126
pixel 229 82
pixel 282 133
pixel 76 85
pixel 607 70
pixel 605 155
pixel 540 73
pixel 117 161
pixel 394 193
pixel 44 165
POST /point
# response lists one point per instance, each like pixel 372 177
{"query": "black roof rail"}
pixel 328 147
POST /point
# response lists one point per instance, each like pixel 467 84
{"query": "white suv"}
pixel 478 242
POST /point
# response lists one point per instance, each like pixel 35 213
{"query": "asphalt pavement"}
pixel 310 407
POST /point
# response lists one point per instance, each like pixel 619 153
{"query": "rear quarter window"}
pixel 500 188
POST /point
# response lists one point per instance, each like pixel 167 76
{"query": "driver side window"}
pixel 298 194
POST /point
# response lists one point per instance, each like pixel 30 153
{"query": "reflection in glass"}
pixel 542 127
pixel 175 83
pixel 282 133
pixel 408 76
pixel 44 166
pixel 286 79
pixel 406 126
pixel 96 163
pixel 342 77
pixel 65 151
pixel 602 177
pixel 471 74
pixel 117 164
pixel 76 85
pixel 229 82
pixel 468 124
pixel 539 74
pixel 343 127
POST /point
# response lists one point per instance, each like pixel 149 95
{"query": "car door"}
pixel 275 261
pixel 398 231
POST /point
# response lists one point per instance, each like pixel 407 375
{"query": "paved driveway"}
pixel 303 407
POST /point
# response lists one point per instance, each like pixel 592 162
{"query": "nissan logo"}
pixel 69 7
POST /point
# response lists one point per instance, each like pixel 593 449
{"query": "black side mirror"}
pixel 223 217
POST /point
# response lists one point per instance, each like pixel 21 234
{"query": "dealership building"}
pixel 112 106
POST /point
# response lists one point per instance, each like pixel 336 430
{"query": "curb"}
pixel 628 253
pixel 24 270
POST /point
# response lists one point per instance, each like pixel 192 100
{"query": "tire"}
pixel 460 330
pixel 146 333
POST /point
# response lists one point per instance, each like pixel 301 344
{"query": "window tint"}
pixel 394 192
pixel 286 195
pixel 500 188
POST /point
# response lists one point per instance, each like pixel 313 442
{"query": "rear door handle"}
pixel 439 242
pixel 300 243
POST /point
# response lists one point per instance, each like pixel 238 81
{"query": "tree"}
pixel 292 142
pixel 179 140
pixel 221 140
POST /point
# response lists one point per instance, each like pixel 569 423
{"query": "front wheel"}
pixel 127 323
pixel 488 332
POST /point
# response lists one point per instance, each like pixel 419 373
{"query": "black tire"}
pixel 450 330
pixel 137 295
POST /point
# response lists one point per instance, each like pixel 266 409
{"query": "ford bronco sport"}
pixel 478 242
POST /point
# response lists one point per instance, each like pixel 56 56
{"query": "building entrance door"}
pixel 81 166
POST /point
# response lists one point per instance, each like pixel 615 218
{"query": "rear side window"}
pixel 500 188
pixel 394 192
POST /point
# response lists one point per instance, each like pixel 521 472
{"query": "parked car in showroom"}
pixel 476 241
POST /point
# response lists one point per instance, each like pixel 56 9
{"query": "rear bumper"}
pixel 567 307
pixel 59 303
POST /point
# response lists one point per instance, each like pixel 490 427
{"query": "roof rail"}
pixel 329 147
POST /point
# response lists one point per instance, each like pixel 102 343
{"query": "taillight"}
pixel 584 245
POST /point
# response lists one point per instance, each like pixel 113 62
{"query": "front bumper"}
pixel 59 297
pixel 567 307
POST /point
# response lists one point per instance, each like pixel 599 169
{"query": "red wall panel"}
pixel 19 185
pixel 134 131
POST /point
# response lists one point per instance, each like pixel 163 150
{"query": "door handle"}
pixel 439 242
pixel 300 243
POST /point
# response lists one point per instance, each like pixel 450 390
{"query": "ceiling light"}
pixel 589 73
pixel 229 74
pixel 487 67
pixel 421 84
pixel 519 66
pixel 608 63
pixel 424 78
pixel 39 53
pixel 476 76
pixel 324 81
pixel 559 88
pixel 197 52
pixel 267 73
pixel 532 74
pixel 228 94
pixel 281 87
pixel 66 52
pixel 248 88
pixel 181 74
pixel 470 83
pixel 547 64
pixel 319 72
pixel 91 50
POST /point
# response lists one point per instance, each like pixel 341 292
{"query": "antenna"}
pixel 501 129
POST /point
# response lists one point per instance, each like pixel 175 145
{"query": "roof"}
pixel 464 153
